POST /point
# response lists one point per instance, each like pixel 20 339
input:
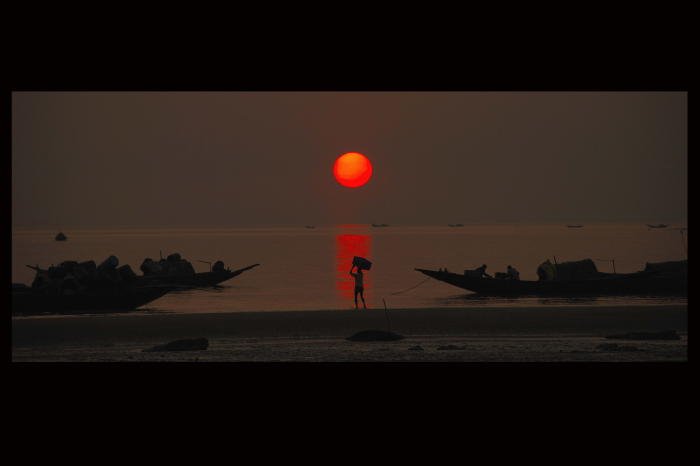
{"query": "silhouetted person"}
pixel 359 285
pixel 512 273
pixel 481 272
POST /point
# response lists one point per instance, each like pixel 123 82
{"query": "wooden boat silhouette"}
pixel 101 295
pixel 669 278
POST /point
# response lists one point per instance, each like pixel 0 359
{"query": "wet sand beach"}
pixel 566 333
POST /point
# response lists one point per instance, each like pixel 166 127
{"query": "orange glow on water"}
pixel 352 170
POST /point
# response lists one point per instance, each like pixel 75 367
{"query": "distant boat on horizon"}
pixel 309 226
pixel 455 225
pixel 574 226
pixel 379 225
pixel 61 237
pixel 658 225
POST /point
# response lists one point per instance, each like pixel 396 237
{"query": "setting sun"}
pixel 352 170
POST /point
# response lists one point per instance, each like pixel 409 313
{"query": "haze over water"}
pixel 307 269
pixel 234 159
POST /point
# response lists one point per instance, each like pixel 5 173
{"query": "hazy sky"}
pixel 125 159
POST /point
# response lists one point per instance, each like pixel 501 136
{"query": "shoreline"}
pixel 147 311
pixel 48 338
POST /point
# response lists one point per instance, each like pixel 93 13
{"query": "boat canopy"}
pixel 576 270
pixel 668 268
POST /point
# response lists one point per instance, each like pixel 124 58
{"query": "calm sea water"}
pixel 307 269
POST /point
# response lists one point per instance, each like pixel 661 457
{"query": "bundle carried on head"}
pixel 361 263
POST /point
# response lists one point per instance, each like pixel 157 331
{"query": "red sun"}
pixel 352 170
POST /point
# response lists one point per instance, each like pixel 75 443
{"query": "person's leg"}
pixel 355 298
pixel 362 295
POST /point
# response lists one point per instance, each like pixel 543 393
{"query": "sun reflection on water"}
pixel 349 245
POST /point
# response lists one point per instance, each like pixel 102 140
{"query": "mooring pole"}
pixel 386 313
pixel 685 247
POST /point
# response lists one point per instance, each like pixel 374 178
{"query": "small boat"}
pixel 574 226
pixel 123 298
pixel 178 272
pixel 61 237
pixel 668 278
pixel 309 226
pixel 74 288
pixel 455 225
pixel 379 225
pixel 658 225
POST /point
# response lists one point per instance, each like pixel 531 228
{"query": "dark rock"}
pixel 665 335
pixel 451 347
pixel 193 344
pixel 375 335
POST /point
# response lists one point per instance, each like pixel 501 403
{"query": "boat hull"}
pixel 610 284
pixel 120 297
pixel 28 301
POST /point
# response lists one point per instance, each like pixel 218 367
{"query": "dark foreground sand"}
pixel 488 335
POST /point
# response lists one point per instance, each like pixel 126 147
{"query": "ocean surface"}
pixel 307 269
